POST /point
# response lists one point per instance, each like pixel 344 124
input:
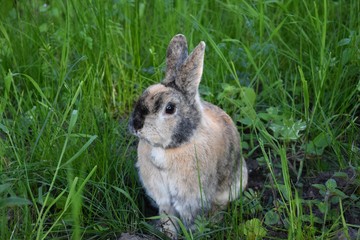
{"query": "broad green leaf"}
pixel 339 193
pixel 318 145
pixel 4 128
pixel 248 95
pixel 343 42
pixel 288 129
pixel 4 187
pixel 13 201
pixel 246 121
pixel 346 56
pixel 341 175
pixel 331 184
pixel 253 229
pixel 272 218
pixel 43 27
pixel 323 207
pixel 319 186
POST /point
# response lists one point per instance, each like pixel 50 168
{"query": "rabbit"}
pixel 189 156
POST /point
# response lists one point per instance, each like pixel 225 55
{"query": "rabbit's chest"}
pixel 172 179
pixel 158 157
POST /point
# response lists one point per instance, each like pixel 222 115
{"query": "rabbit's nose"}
pixel 135 125
pixel 138 124
pixel 139 115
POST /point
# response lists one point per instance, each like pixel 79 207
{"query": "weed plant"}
pixel 288 72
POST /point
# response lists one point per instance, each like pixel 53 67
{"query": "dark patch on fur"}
pixel 139 114
pixel 172 84
pixel 185 128
pixel 225 170
pixel 158 102
pixel 189 95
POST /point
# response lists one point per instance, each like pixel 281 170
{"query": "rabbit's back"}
pixel 231 170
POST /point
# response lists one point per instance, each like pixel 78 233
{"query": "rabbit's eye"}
pixel 170 108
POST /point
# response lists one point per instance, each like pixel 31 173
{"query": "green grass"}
pixel 287 71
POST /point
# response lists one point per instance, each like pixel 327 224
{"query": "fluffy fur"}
pixel 189 156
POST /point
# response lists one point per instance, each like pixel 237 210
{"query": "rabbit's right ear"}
pixel 176 54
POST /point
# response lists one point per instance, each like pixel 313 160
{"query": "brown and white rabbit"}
pixel 189 156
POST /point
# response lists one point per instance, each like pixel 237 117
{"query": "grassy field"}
pixel 288 72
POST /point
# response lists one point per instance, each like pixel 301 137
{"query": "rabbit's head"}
pixel 167 114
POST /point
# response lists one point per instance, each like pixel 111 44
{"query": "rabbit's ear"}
pixel 176 54
pixel 189 77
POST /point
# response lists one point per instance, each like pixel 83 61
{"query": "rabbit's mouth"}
pixel 133 131
pixel 154 142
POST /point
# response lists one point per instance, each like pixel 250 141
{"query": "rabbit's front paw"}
pixel 168 226
pixel 168 221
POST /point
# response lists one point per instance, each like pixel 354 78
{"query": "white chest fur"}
pixel 158 157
